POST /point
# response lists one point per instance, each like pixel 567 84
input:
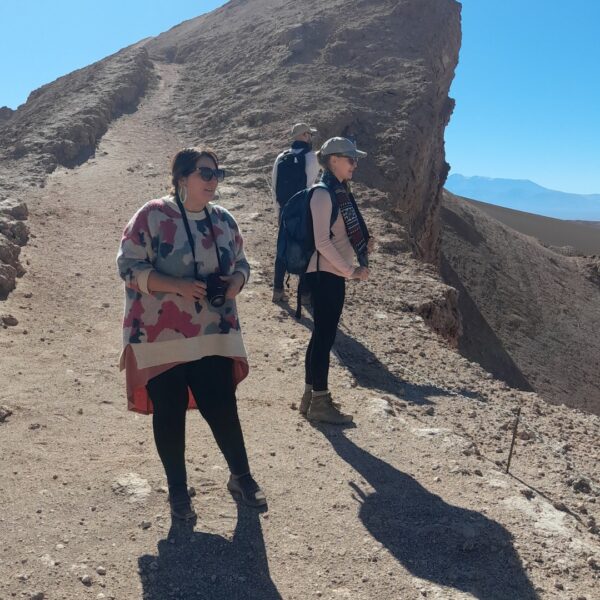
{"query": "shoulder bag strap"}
pixel 191 242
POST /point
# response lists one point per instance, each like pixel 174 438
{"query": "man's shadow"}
pixel 435 541
pixel 193 565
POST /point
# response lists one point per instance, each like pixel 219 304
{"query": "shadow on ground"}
pixel 193 565
pixel 435 541
pixel 368 370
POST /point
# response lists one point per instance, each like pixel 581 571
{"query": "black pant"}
pixel 211 381
pixel 328 292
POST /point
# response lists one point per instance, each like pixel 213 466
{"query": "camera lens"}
pixel 215 290
pixel 217 300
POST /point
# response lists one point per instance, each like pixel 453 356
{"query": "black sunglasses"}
pixel 207 173
pixel 350 159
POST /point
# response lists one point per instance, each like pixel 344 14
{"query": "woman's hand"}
pixel 191 289
pixel 371 245
pixel 235 283
pixel 360 273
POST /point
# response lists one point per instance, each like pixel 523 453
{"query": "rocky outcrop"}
pixel 13 235
pixel 441 313
pixel 591 269
pixel 5 113
pixel 377 71
pixel 59 124
pixel 530 315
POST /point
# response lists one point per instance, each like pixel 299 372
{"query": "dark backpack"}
pixel 296 240
pixel 291 175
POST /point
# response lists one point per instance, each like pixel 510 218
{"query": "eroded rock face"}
pixel 14 234
pixel 6 113
pixel 377 71
pixel 14 208
pixel 530 315
pixel 59 124
pixel 8 279
pixel 63 120
pixel 591 269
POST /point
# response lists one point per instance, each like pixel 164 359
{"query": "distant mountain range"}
pixel 527 196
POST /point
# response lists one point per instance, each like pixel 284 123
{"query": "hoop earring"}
pixel 182 191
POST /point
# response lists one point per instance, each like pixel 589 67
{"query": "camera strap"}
pixel 191 239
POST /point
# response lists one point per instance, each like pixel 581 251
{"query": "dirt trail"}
pixel 398 507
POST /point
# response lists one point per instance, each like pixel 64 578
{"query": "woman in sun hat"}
pixel 183 263
pixel 339 246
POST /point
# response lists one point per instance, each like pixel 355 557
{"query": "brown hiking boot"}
pixel 323 409
pixel 305 402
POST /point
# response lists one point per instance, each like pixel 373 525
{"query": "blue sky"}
pixel 527 93
pixel 41 40
pixel 527 86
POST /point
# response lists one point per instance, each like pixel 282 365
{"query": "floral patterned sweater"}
pixel 161 330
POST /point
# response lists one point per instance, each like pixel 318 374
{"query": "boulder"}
pixel 14 208
pixel 8 278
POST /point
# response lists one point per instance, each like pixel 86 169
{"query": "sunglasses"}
pixel 352 161
pixel 207 173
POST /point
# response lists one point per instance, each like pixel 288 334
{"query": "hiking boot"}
pixel 245 489
pixel 323 409
pixel 181 506
pixel 279 296
pixel 305 300
pixel 305 402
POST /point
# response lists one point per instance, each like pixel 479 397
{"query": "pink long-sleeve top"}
pixel 336 254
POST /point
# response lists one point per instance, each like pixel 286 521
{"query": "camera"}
pixel 215 290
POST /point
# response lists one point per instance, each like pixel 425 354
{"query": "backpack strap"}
pixel 334 205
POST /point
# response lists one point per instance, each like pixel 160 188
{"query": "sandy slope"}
pixel 581 237
pixel 408 504
pixel 537 307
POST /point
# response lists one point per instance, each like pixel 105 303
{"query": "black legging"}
pixel 211 381
pixel 328 292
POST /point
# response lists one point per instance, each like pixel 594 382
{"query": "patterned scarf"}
pixel 356 228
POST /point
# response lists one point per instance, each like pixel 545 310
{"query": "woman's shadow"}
pixel 435 541
pixel 367 369
pixel 193 565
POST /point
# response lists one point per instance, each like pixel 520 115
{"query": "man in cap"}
pixel 295 169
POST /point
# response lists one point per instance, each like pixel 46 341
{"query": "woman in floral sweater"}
pixel 182 340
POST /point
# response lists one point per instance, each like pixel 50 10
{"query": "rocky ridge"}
pixel 382 78
pixel 530 314
pixel 60 124
pixel 6 113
